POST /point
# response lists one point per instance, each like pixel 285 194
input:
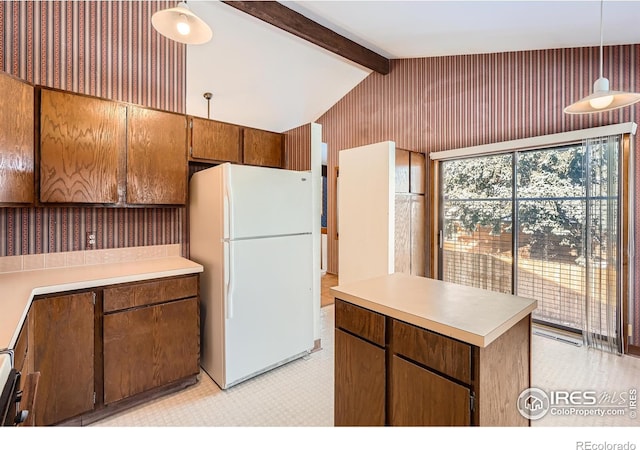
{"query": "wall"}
pixel 297 148
pixel 106 49
pixel 440 103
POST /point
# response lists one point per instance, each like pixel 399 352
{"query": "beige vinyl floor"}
pixel 300 393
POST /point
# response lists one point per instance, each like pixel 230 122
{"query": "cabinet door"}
pixel 82 147
pixel 418 251
pixel 418 171
pixel 149 347
pixel 215 141
pixel 419 397
pixel 403 234
pixel 16 141
pixel 61 348
pixel 359 382
pixel 156 157
pixel 402 170
pixel 262 148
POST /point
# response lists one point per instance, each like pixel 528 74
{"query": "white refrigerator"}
pixel 251 229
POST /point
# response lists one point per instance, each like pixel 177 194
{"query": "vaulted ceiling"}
pixel 264 77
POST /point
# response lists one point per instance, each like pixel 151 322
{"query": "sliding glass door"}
pixel 542 224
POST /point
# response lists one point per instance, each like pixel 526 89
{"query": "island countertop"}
pixel 469 314
pixel 19 288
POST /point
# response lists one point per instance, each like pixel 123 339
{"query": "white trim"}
pixel 548 140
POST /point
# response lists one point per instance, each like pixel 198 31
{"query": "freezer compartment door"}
pixel 269 307
pixel 267 202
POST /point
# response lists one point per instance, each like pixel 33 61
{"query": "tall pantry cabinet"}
pixel 381 212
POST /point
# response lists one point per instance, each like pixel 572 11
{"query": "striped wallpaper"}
pixel 106 49
pixel 297 148
pixel 440 103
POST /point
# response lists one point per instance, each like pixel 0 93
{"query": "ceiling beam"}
pixel 295 23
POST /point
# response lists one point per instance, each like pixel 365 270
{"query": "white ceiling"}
pixel 263 77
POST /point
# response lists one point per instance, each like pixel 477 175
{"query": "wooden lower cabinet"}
pixel 94 363
pixel 61 348
pixel 420 397
pixel 359 382
pixel 390 372
pixel 148 347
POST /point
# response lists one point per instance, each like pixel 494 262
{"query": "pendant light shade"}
pixel 182 25
pixel 602 99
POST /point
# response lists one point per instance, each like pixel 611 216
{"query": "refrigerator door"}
pixel 269 305
pixel 267 202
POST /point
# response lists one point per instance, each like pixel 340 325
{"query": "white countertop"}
pixel 472 315
pixel 17 289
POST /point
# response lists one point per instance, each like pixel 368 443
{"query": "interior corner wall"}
pixel 104 49
pixel 297 148
pixel 441 103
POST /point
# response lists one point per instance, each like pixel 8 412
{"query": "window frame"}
pixel 627 132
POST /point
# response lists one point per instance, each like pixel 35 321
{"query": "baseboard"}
pixel 317 345
pixel 633 350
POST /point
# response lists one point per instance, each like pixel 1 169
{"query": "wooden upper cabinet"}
pixel 16 141
pixel 156 157
pixel 418 169
pixel 402 171
pixel 82 143
pixel 263 148
pixel 215 141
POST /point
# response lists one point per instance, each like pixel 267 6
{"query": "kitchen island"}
pixel 416 351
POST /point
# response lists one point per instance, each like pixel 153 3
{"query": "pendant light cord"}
pixel 601 9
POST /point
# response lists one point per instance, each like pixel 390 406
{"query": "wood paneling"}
pixel 402 171
pixel 148 293
pixel 420 397
pixel 149 347
pixel 498 395
pixel 16 141
pixel 61 332
pixel 216 141
pixel 367 324
pixel 156 157
pixel 262 148
pixel 81 142
pixel 443 354
pixel 402 242
pixel 359 396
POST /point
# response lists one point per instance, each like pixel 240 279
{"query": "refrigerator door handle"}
pixel 227 277
pixel 229 281
pixel 228 195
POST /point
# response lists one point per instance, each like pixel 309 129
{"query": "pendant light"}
pixel 182 25
pixel 602 98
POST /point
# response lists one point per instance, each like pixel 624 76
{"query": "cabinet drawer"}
pixel 367 324
pixel 443 354
pixel 149 292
